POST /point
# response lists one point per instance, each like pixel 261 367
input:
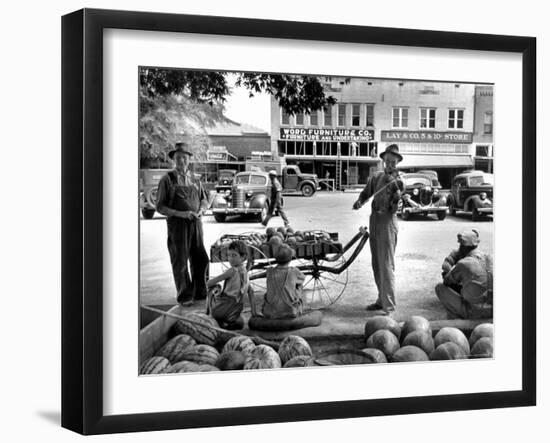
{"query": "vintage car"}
pixel 420 197
pixel 249 194
pixel 225 179
pixel 433 175
pixel 472 191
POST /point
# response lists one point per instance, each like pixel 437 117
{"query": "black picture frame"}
pixel 82 219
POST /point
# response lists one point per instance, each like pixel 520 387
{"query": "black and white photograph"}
pixel 297 221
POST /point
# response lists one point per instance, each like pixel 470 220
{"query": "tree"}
pixel 175 101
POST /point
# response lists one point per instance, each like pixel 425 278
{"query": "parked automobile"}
pixel 421 197
pixel 292 179
pixel 472 191
pixel 433 175
pixel 249 194
pixel 225 179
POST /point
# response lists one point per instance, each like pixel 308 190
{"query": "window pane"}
pixel 313 119
pixel 370 115
pixel 395 113
pixel 404 122
pixel 300 118
pixel 395 122
pixel 328 116
pixel 404 113
pixel 451 114
pixel 460 114
pixel 285 118
pixel 341 115
pixel 432 113
pixel 355 115
pixel 257 180
pixel 423 114
pixel 451 124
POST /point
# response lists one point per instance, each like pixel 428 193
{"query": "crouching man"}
pixel 467 288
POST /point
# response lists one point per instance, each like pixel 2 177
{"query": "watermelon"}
pixel 415 323
pixel 409 353
pixel 377 355
pixel 173 348
pixel 262 357
pixel 483 348
pixel 207 368
pixel 282 230
pixel 183 366
pixel 292 346
pixel 231 360
pixel 448 351
pixel 199 327
pixel 269 232
pixel 452 334
pixel 201 354
pixel 300 361
pixel 275 241
pixel 482 330
pixel 385 341
pixel 379 322
pixel 154 365
pixel 239 343
pixel 421 339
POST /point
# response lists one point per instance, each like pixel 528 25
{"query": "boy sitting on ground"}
pixel 284 287
pixel 226 306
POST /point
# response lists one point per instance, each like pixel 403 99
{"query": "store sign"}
pixel 216 156
pixel 426 137
pixel 326 135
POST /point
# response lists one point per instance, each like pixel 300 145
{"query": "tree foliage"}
pixel 174 102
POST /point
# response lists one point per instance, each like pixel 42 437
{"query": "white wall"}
pixel 30 234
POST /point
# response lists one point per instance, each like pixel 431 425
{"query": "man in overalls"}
pixel 385 187
pixel 182 199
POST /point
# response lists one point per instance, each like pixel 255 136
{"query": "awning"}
pixel 436 161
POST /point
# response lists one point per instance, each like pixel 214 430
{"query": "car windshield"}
pixel 481 180
pixel 242 179
pixel 416 180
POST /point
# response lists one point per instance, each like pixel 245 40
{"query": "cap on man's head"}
pixel 468 238
pixel 273 173
pixel 180 147
pixel 392 149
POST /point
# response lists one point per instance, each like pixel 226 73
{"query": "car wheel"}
pixel 476 215
pixel 441 215
pixel 450 204
pixel 147 213
pixel 263 215
pixel 307 190
pixel 220 218
pixel 405 215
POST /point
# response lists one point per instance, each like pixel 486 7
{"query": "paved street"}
pixel 422 244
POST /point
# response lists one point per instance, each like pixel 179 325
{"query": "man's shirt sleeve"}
pixel 368 190
pixel 163 192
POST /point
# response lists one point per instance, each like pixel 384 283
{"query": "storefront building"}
pixel 483 128
pixel 432 122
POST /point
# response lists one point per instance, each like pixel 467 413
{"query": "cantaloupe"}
pixel 231 360
pixel 448 351
pixel 421 339
pixel 239 343
pixel 154 365
pixel 455 335
pixel 482 330
pixel 292 346
pixel 384 340
pixel 415 323
pixel 379 322
pixel 377 355
pixel 174 347
pixel 482 348
pixel 408 354
pixel 201 354
pixel 262 357
pixel 198 326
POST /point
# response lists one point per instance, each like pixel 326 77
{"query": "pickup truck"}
pixel 292 179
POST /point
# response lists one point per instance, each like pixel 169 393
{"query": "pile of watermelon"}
pixel 414 341
pixel 196 347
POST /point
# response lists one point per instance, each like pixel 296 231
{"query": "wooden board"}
pixel 156 333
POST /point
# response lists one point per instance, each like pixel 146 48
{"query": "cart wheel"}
pixel 322 288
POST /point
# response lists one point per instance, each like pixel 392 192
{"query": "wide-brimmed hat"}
pixel 468 238
pixel 392 149
pixel 180 147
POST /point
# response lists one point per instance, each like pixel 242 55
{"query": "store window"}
pixel 488 123
pixel 370 115
pixel 482 151
pixel 427 118
pixel 285 117
pixel 327 113
pixel 314 118
pixel 400 117
pixel 341 115
pixel 456 118
pixel 355 115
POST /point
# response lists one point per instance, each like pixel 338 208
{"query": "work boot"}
pixel 374 307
